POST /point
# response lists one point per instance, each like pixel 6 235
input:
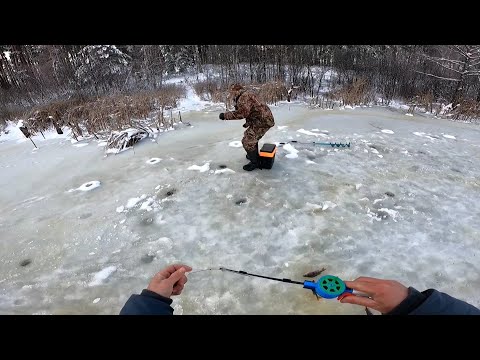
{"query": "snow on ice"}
pixel 292 152
pixel 102 275
pixel 203 168
pixel 235 144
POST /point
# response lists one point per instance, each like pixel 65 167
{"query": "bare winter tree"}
pixel 456 64
pixel 32 75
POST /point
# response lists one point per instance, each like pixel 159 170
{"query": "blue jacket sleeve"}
pixel 147 303
pixel 432 302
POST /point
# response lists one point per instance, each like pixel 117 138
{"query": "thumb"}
pixel 177 275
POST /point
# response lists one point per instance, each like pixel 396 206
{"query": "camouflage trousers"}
pixel 251 137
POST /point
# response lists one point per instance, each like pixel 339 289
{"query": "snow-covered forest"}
pixel 85 224
pixel 36 77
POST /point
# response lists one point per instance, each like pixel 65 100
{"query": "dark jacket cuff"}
pixel 154 295
pixel 414 299
pixel 147 303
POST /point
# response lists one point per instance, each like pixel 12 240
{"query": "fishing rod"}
pixel 327 287
pixel 332 144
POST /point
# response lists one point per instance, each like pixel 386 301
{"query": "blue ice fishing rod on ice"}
pixel 327 287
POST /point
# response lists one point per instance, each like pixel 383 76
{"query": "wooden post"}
pixel 33 143
pixel 27 134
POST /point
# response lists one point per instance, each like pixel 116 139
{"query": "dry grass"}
pixel 210 91
pixel 107 113
pixel 425 100
pixel 359 92
pixel 468 110
pixel 9 114
pixel 273 92
pixel 269 93
pixel 326 102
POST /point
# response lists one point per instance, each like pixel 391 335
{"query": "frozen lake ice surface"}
pixel 402 203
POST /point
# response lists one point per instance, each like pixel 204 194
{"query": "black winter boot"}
pixel 256 149
pixel 254 161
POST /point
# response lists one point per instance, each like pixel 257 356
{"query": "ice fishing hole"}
pixel 171 192
pixel 25 262
pixel 147 258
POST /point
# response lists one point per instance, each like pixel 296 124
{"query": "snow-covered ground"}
pixel 399 204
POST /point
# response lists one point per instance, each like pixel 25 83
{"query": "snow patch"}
pixel 235 144
pixel 80 145
pixel 102 275
pixel 134 201
pixel 282 127
pixel 146 205
pixel 386 131
pixel 449 136
pixel 393 213
pixel 226 171
pixel 203 168
pixel 163 242
pixel 325 205
pixel 328 204
pixel 292 151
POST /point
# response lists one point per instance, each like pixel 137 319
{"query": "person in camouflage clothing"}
pixel 259 119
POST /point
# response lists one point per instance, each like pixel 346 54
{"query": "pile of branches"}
pixel 119 141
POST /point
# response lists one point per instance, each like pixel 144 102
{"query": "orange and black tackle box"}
pixel 267 155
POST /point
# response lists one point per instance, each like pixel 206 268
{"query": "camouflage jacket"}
pixel 248 107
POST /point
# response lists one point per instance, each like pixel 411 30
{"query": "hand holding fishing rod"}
pixel 169 281
pixel 383 295
pixel 387 296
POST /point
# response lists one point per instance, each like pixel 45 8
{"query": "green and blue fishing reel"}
pixel 328 287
